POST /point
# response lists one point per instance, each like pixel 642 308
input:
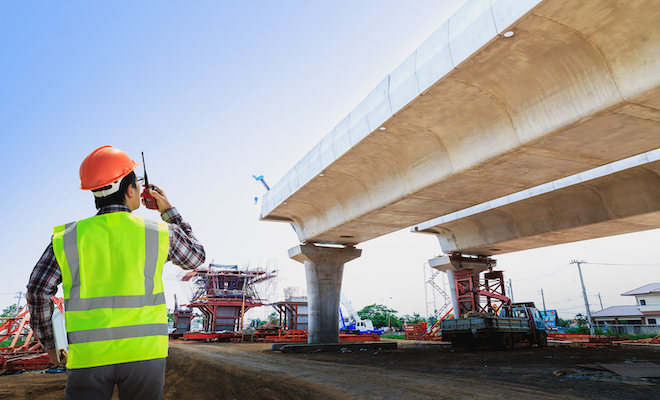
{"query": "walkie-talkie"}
pixel 149 200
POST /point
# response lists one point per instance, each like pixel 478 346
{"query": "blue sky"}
pixel 213 93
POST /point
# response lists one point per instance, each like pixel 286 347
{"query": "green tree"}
pixel 413 319
pixel 10 311
pixel 396 322
pixel 257 322
pixel 564 323
pixel 274 318
pixel 379 315
pixel 581 319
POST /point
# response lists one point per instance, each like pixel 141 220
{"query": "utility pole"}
pixel 586 301
pixel 601 302
pixel 388 314
pixel 18 303
pixel 543 297
pixel 510 291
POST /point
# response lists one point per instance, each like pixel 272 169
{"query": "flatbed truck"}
pixel 515 323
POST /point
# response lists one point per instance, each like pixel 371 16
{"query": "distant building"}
pixel 645 312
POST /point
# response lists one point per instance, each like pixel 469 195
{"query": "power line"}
pixel 558 270
pixel 621 265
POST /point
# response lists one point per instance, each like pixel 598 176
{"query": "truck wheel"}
pixel 506 341
pixel 543 339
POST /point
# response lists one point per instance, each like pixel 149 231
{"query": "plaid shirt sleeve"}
pixel 42 285
pixel 185 250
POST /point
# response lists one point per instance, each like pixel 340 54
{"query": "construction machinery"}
pixel 483 314
pixel 355 323
pixel 519 322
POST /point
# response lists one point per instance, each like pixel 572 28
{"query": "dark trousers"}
pixel 140 380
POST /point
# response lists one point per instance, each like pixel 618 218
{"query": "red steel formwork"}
pixel 293 314
pixel 27 355
pixel 300 336
pixel 474 294
pixel 224 294
pixel 433 333
pixel 414 331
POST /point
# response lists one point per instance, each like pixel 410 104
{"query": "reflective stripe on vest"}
pixel 111 317
pixel 119 332
pixel 75 303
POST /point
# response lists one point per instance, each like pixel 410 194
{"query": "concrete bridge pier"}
pixel 324 267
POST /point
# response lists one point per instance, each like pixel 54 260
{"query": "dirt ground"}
pixel 425 371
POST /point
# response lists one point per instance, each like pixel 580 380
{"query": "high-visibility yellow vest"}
pixel 114 302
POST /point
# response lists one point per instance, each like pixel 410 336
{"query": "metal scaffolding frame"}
pixel 223 293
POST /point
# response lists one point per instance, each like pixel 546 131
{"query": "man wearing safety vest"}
pixel 110 268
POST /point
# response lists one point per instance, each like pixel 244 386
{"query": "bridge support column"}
pixel 324 267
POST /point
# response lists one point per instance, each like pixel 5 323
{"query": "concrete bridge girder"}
pixel 622 202
pixel 577 86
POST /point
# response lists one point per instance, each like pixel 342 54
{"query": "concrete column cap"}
pixel 323 254
pixel 442 263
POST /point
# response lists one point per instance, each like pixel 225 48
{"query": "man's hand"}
pixel 161 200
pixel 52 354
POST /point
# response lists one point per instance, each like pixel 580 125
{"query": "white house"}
pixel 648 300
pixel 645 312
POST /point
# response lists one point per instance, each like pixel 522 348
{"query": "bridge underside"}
pixel 592 206
pixel 473 115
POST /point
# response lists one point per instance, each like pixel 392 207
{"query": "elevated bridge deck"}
pixel 473 115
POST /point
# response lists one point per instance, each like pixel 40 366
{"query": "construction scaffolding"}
pixel 479 295
pixel 223 294
pixel 438 300
pixel 469 292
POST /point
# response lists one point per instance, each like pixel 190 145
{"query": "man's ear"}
pixel 131 192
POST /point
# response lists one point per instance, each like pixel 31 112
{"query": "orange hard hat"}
pixel 103 167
